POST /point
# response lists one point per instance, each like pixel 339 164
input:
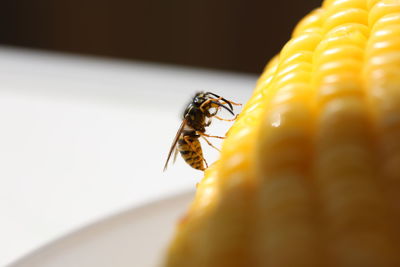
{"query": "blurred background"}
pixel 232 35
pixel 85 131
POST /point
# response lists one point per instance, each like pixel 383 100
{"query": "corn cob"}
pixel 310 172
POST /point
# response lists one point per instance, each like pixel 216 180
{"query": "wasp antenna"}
pixel 209 93
pixel 226 101
pixel 223 106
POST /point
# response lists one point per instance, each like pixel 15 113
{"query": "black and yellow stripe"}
pixel 190 149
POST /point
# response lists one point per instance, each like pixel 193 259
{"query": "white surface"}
pixel 137 237
pixel 83 138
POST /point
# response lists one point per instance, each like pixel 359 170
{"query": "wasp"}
pixel 196 117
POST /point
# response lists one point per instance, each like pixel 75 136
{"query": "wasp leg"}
pixel 224 100
pixel 206 103
pixel 206 135
pixel 233 103
pixel 194 149
pixel 222 119
pixel 217 102
pixel 210 144
pixel 214 99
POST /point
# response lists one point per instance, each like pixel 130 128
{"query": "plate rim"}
pixel 99 222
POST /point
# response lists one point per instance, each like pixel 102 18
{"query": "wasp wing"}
pixel 175 154
pixel 173 147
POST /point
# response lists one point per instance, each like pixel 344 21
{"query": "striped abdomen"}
pixel 192 152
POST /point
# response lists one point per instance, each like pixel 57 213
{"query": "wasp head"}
pixel 204 105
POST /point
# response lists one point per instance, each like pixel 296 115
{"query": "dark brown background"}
pixel 224 34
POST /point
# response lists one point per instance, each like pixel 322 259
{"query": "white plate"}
pixel 137 237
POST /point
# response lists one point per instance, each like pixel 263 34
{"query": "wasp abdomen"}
pixel 190 149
